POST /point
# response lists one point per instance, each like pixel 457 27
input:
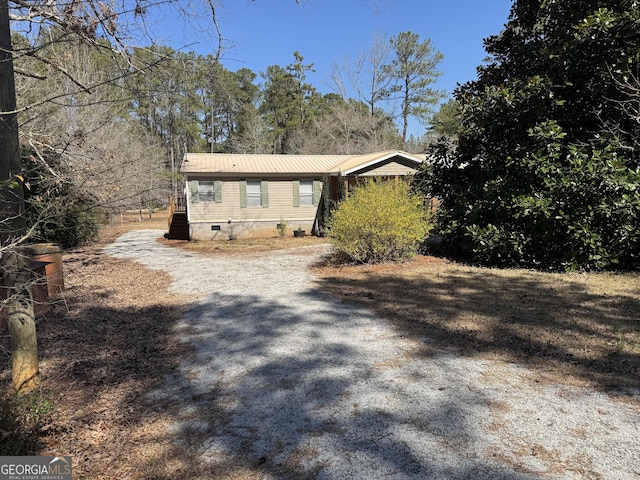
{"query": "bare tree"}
pixel 15 272
pixel 254 138
pixel 349 129
pixel 104 152
pixel 366 74
pixel 369 77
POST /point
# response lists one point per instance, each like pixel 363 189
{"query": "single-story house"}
pixel 249 195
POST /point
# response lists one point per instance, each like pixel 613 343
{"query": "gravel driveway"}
pixel 291 380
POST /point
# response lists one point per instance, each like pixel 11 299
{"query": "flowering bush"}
pixel 379 221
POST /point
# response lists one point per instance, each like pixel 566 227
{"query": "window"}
pixel 306 192
pixel 208 191
pixel 254 193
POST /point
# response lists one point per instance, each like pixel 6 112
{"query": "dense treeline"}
pixel 193 101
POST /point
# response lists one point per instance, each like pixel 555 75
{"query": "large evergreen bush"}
pixel 546 172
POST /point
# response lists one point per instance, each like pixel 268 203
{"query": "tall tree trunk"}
pixel 406 109
pixel 21 321
pixel 14 267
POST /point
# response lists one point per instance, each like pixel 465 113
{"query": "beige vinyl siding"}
pixel 390 169
pixel 280 205
pixel 281 202
pixel 213 212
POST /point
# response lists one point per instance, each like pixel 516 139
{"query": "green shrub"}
pixel 557 205
pixel 379 221
pixel 56 210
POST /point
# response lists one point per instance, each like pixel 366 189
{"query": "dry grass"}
pixel 577 328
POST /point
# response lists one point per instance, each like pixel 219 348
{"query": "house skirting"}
pixel 206 231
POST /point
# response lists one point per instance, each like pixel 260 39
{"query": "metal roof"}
pixel 225 163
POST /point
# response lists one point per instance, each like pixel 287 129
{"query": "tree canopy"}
pixel 546 170
pixel 446 121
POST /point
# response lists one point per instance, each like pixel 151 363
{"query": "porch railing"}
pixel 176 204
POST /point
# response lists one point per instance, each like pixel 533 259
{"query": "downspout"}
pixel 187 199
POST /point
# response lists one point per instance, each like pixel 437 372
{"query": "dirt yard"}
pixel 108 340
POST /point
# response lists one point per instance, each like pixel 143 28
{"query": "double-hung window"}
pixel 306 193
pixel 254 193
pixel 206 191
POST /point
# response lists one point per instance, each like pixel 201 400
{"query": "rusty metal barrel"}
pixel 49 254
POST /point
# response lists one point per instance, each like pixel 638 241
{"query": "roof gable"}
pixel 364 163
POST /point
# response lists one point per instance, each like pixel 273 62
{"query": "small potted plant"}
pixel 282 227
pixel 299 232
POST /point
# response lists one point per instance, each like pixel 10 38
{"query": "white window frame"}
pixel 305 193
pixel 254 193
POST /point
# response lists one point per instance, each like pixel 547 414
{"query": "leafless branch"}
pixel 65 72
pixel 214 19
pixel 24 73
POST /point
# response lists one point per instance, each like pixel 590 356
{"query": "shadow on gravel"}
pixel 242 404
pixel 556 327
pixel 317 408
pixel 241 387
